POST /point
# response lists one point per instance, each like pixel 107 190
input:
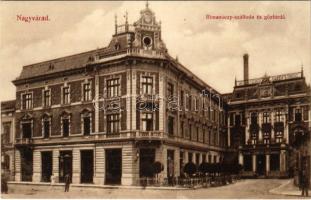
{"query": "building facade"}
pixel 106 115
pixel 269 123
pixel 8 138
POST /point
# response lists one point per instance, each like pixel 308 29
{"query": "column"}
pixel 229 131
pixel 128 99
pixel 260 123
pixel 161 156
pixel 247 115
pixel 99 175
pixel 128 165
pixel 96 103
pixel 161 103
pixel 282 161
pixel 18 176
pixel 254 163
pixel 241 158
pixel 286 136
pixel 76 168
pixel 272 123
pixel 36 176
pixel 176 162
pixel 55 173
pixel 267 164
pixel 133 100
pixel 186 157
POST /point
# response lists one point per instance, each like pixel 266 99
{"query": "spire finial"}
pixel 147 4
pixel 301 69
pixel 116 23
pixel 126 16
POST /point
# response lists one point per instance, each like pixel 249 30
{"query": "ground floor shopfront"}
pixel 105 163
pixel 264 162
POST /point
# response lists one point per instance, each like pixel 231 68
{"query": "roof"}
pixel 8 105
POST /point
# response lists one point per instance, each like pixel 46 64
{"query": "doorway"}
pixel 26 164
pixel 261 164
pixel 113 166
pixel 87 166
pixel 46 160
pixel 146 159
pixel 65 165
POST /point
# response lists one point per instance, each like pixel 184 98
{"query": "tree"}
pixel 190 168
pixel 157 168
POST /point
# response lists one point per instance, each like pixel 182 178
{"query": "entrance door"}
pixel 65 165
pixel 46 160
pixel 146 159
pixel 261 164
pixel 87 166
pixel 113 166
pixel 26 164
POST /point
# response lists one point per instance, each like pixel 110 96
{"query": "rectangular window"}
pixel 66 95
pixel 46 128
pixel 182 98
pixel 278 116
pixel 182 124
pixel 147 84
pixel 170 90
pixel 298 115
pixel 170 125
pixel 86 125
pixel 87 92
pixel 6 136
pixel 65 123
pixel 113 123
pixel 237 120
pixel 27 130
pixel 27 101
pixel 46 98
pixel 147 120
pixel 254 118
pixel 209 158
pixel 113 87
pixel 266 117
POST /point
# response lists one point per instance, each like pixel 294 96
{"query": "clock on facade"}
pixel 147 19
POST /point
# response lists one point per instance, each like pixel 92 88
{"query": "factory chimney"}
pixel 245 63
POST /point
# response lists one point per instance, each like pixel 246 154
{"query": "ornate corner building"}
pixel 269 123
pixel 104 116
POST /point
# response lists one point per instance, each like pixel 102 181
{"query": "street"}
pixel 252 188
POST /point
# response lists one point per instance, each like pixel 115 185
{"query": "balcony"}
pixel 23 141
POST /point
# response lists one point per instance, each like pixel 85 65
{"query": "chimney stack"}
pixel 245 63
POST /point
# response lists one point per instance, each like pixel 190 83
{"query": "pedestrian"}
pixel 4 183
pixel 305 181
pixel 67 182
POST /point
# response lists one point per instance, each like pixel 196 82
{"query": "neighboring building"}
pixel 269 122
pixel 7 137
pixel 105 115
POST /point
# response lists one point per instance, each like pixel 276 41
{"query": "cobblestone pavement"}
pixel 251 188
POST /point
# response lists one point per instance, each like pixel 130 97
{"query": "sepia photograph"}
pixel 155 99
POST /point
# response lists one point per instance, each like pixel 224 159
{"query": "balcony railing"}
pixel 23 141
pixel 270 79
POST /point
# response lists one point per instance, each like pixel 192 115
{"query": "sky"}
pixel 210 48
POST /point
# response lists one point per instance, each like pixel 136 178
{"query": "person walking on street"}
pixel 305 182
pixel 67 182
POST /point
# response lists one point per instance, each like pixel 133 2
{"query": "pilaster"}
pixel 55 172
pixel 76 166
pixel 36 176
pixel 99 175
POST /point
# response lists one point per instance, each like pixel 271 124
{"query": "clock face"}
pixel 147 19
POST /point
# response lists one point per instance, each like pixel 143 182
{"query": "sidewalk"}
pixel 288 188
